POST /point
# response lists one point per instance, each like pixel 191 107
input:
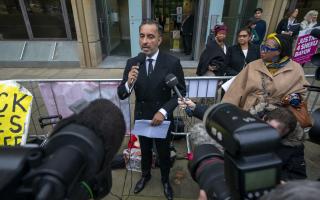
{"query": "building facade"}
pixel 86 32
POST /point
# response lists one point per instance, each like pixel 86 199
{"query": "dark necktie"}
pixel 150 66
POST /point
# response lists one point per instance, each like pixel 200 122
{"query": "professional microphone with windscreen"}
pixel 141 58
pixel 172 81
pixel 74 163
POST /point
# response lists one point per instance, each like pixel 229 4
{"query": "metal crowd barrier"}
pixel 203 88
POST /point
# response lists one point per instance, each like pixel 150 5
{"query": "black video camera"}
pixel 62 169
pixel 249 168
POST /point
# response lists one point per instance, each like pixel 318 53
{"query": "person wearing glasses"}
pixel 310 20
pixel 270 79
pixel 239 55
pixel 265 82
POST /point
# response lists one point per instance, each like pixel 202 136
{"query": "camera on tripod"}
pixel 249 168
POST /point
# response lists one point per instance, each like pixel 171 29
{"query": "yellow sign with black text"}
pixel 15 110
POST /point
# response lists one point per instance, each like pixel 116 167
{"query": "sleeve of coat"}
pixel 279 27
pixel 237 91
pixel 304 81
pixel 170 105
pixel 227 64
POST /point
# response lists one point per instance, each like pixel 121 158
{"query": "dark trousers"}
pixel 187 43
pixel 163 150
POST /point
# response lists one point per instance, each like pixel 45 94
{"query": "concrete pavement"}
pixel 185 188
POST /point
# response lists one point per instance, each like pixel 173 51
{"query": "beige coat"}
pixel 246 90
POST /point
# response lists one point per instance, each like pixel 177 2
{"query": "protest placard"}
pixel 15 110
pixel 306 46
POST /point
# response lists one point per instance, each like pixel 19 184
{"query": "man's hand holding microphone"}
pixel 134 71
pixel 133 75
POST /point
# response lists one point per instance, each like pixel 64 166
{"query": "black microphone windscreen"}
pixel 141 58
pixel 171 80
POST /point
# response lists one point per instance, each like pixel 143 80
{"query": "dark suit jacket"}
pixel 212 55
pixel 235 60
pixel 187 25
pixel 261 27
pixel 152 93
pixel 283 26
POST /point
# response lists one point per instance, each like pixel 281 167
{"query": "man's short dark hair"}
pixel 152 22
pixel 258 9
pixel 283 115
pixel 295 190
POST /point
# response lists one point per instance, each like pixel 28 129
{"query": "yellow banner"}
pixel 15 108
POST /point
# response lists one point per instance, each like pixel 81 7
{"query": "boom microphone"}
pixel 172 81
pixel 73 164
pixel 199 136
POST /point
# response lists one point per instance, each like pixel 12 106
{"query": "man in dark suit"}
pixel 154 99
pixel 187 32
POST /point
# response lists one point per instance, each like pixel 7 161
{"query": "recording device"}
pixel 141 58
pixel 74 163
pixel 249 167
pixel 172 81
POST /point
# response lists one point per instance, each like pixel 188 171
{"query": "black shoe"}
pixel 167 189
pixel 141 183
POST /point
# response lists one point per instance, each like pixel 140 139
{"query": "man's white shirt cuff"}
pixel 164 112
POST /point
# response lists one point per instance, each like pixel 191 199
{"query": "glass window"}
pixel 46 18
pixel 12 25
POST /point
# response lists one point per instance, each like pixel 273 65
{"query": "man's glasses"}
pixel 265 48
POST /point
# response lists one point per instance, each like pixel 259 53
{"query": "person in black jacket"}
pixel 239 55
pixel 187 32
pixel 154 99
pixel 261 25
pixel 291 149
pixel 213 57
pixel 289 24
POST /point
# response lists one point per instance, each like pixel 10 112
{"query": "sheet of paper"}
pixel 227 84
pixel 144 128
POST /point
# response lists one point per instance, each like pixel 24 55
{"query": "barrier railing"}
pixel 53 97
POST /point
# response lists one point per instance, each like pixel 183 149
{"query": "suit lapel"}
pixel 142 78
pixel 159 71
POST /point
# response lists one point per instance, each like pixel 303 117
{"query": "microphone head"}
pixel 141 58
pixel 171 80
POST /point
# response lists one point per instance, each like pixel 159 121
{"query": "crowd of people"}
pixel 267 81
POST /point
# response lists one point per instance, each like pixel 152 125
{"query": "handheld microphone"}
pixel 172 81
pixel 141 58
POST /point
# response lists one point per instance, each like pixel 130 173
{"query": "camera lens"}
pixel 207 169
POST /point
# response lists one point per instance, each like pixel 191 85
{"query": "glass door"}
pixel 235 14
pixel 113 21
